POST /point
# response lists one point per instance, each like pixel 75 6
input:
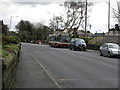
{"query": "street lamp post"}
pixel 26 30
pixel 11 20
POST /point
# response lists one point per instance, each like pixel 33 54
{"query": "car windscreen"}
pixel 80 41
pixel 114 46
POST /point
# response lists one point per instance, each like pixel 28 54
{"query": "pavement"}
pixel 0 73
pixel 30 74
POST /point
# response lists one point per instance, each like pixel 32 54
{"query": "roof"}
pixel 99 34
pixel 58 34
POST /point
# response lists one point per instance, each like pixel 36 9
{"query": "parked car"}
pixel 77 44
pixel 110 49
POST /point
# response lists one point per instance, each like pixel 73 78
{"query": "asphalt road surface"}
pixel 75 69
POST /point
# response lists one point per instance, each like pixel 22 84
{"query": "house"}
pixel 3 27
pixel 59 31
pixel 114 36
pixel 81 34
pixel 99 34
pixel 113 32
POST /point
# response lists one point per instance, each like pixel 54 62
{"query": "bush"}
pixel 86 39
pixel 9 40
pixel 93 46
pixel 4 53
pixel 5 40
pixel 14 40
pixel 96 40
pixel 11 48
pixel 4 43
pixel 45 41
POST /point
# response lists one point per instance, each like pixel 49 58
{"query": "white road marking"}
pixel 68 79
pixel 63 79
pixel 43 68
pixel 46 71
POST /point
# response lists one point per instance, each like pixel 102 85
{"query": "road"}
pixel 75 69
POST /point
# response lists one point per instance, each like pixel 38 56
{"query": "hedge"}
pixel 93 46
pixel 9 40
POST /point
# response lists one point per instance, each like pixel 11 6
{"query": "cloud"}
pixel 33 12
pixel 43 10
pixel 32 2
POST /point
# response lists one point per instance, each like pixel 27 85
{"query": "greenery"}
pixel 8 39
pixel 75 12
pixel 10 44
pixel 4 53
pixel 86 39
pixel 96 40
pixel 94 43
pixel 9 51
pixel 11 48
pixel 0 50
pixel 32 32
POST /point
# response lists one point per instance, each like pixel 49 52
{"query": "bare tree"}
pixel 116 12
pixel 56 23
pixel 76 12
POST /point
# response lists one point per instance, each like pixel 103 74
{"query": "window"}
pixel 114 46
pixel 104 45
pixel 65 39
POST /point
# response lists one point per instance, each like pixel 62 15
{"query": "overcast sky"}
pixel 43 10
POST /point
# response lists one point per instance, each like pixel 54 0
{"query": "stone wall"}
pixel 9 67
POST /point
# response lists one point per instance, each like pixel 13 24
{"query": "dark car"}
pixel 77 44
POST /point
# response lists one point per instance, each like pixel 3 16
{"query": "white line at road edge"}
pixel 46 71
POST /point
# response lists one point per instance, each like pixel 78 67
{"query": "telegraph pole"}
pixel 86 19
pixel 108 17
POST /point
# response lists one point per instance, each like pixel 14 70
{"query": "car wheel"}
pixel 109 54
pixel 55 45
pixel 85 49
pixel 101 53
pixel 74 49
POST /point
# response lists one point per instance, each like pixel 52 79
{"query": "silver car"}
pixel 110 49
